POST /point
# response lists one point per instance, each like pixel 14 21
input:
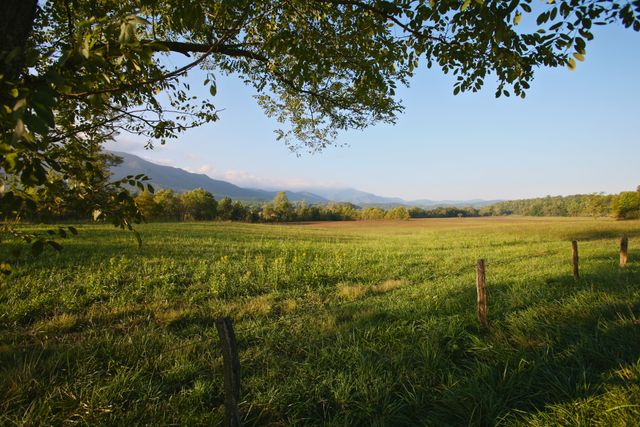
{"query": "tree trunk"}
pixel 16 23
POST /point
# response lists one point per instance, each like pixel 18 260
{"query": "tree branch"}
pixel 187 47
pixel 206 50
pixel 385 15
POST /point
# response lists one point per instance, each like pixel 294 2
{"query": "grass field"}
pixel 360 323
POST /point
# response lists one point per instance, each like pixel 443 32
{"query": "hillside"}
pixel 365 199
pixel 180 180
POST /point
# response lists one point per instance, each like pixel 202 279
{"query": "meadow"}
pixel 350 323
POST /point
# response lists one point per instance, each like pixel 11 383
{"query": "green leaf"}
pixel 95 100
pixel 84 50
pixel 19 131
pixel 517 19
pixel 465 5
pixel 213 90
pixel 11 159
pixel 45 113
pixel 571 64
pixel 578 56
pixel 542 18
pixel 36 124
pixel 20 104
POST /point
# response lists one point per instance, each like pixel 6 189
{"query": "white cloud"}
pixel 246 179
pixel 165 162
pixel 205 169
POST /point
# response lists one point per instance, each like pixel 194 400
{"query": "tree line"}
pixel 624 205
pixel 201 205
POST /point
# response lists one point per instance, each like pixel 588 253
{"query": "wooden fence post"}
pixel 231 366
pixel 481 285
pixel 624 247
pixel 576 269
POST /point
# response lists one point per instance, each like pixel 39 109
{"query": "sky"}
pixel 576 132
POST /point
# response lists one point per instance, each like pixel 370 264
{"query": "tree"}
pixel 282 209
pixel 372 213
pixel 198 205
pixel 341 211
pixel 75 73
pixel 239 211
pixel 399 212
pixel 252 214
pixel 598 205
pixel 302 212
pixel 146 204
pixel 225 208
pixel 626 205
pixel 169 206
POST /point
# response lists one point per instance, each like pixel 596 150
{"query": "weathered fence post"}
pixel 231 366
pixel 624 247
pixel 481 285
pixel 576 269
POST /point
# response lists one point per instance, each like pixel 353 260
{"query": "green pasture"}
pixel 351 323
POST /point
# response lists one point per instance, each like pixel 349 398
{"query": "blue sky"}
pixel 576 132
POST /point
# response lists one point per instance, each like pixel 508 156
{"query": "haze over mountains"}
pixel 358 197
pixel 181 180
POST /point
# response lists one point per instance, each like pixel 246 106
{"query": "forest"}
pixel 200 205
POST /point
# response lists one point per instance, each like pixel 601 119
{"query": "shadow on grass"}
pixel 378 361
pixel 112 369
pixel 611 233
pixel 565 347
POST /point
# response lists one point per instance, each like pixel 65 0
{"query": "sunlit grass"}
pixel 364 323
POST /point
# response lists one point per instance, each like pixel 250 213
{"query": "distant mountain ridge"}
pixel 357 197
pixel 362 198
pixel 181 180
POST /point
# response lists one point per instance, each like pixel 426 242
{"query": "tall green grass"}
pixel 338 324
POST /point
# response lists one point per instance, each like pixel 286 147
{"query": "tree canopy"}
pixel 74 73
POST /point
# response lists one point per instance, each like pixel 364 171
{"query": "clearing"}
pixel 350 323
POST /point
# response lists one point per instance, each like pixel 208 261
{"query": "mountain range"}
pixel 362 198
pixel 181 180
